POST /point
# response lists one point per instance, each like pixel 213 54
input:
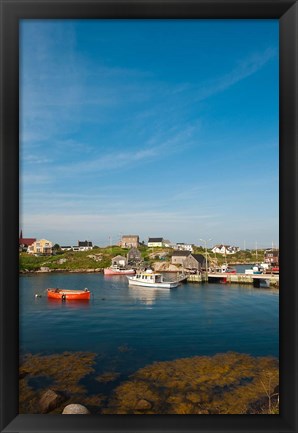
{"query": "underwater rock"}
pixel 143 404
pixel 23 373
pixel 50 400
pixel 226 383
pixel 75 409
pixel 108 377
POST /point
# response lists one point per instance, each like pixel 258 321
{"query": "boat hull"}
pixel 163 285
pixel 70 295
pixel 109 271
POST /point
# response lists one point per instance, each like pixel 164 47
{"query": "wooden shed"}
pixel 134 256
pixel 194 262
pixel 119 261
pixel 178 257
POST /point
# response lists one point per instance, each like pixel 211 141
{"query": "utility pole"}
pixel 205 241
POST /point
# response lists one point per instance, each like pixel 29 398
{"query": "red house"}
pixel 24 243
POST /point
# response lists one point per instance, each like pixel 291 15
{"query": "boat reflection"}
pixel 71 304
pixel 147 295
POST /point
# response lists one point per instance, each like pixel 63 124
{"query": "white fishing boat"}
pixel 151 279
pixel 256 269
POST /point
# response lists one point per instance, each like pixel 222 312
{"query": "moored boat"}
pixel 255 270
pixel 224 269
pixel 272 270
pixel 70 295
pixel 115 270
pixel 151 279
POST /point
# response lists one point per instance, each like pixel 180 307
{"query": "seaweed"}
pixel 64 371
pixel 229 383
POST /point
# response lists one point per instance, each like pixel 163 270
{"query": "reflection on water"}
pixel 76 304
pixel 148 296
pixel 156 324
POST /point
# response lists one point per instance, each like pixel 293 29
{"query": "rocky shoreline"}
pixel 226 383
pixel 157 266
pixel 66 271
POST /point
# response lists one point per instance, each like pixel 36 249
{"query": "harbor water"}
pixel 130 327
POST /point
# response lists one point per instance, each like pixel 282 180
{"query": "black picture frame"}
pixel 14 10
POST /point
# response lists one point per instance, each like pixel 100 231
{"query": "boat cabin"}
pixel 149 277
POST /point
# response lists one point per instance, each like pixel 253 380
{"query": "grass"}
pixel 71 261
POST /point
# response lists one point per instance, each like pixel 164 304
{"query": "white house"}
pixel 225 249
pixel 181 246
pixel 119 261
pixel 66 248
pixel 83 246
pixel 155 242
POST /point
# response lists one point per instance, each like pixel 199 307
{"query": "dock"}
pixel 270 280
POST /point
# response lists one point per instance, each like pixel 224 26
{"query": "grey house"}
pixel 179 257
pixel 195 262
pixel 119 261
pixel 134 256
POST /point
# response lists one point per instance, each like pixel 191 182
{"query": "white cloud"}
pixel 244 69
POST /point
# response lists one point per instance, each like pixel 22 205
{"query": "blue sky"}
pixel 161 128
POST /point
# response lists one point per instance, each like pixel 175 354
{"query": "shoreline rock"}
pixel 75 409
pixel 51 400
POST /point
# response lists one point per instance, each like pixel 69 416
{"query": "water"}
pixel 138 325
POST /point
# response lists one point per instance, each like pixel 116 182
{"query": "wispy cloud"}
pixel 33 159
pixel 35 179
pixel 94 123
pixel 244 69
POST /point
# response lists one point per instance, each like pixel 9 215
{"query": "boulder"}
pixel 75 409
pixel 50 400
pixel 143 405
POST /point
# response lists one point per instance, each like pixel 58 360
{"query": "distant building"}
pixel 24 243
pixel 155 242
pixel 181 246
pixel 119 261
pixel 272 257
pixel 225 249
pixel 178 257
pixel 134 256
pixel 66 248
pixel 195 262
pixel 83 246
pixel 41 246
pixel 130 241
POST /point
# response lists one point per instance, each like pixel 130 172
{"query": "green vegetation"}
pixel 247 256
pixel 99 258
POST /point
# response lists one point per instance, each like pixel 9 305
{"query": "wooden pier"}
pixel 271 280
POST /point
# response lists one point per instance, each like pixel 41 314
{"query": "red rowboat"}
pixel 71 295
